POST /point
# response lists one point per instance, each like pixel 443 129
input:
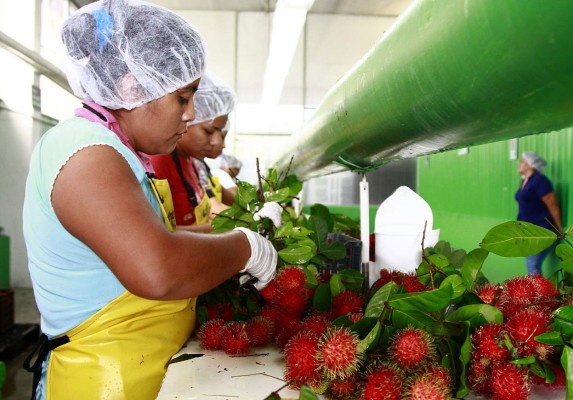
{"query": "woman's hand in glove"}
pixel 271 210
pixel 263 261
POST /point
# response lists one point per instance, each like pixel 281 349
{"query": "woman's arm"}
pixel 550 201
pixel 97 199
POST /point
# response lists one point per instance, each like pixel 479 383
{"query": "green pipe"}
pixel 447 75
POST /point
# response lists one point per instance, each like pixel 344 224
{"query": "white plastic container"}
pixel 399 228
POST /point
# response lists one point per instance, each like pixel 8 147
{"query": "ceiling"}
pixel 381 8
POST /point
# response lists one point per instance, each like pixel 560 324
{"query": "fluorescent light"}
pixel 288 20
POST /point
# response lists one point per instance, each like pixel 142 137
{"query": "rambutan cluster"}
pixel 235 337
pixel 409 280
pixel 526 303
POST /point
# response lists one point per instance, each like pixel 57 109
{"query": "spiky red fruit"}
pixel 342 389
pixel 291 278
pixel 517 292
pixel 355 317
pixel 234 339
pixel 479 377
pixel 426 387
pixel 338 353
pixel 412 284
pixel 487 342
pixel 291 301
pixel 286 333
pixel 209 334
pixel 412 347
pixel 346 302
pixel 544 287
pixel 385 383
pixel 508 382
pixel 527 323
pixel 488 293
pixel 301 366
pixel 269 292
pixel 259 331
pixel 439 372
pixel 316 323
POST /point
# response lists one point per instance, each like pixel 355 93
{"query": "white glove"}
pixel 271 210
pixel 263 261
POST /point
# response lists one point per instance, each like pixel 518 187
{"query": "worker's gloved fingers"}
pixel 271 210
pixel 263 261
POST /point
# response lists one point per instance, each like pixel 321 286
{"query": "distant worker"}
pixel 537 203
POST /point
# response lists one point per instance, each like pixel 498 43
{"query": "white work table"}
pixel 217 376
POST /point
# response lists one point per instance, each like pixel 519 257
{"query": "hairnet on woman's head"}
pixel 125 53
pixel 213 99
pixel 534 161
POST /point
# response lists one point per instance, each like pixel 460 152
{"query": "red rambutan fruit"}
pixel 439 372
pixel 412 284
pixel 273 314
pixel 544 287
pixel 345 303
pixel 316 323
pixel 355 317
pixel 301 366
pixel 412 347
pixel 479 377
pixel 291 278
pixel 425 387
pixel 259 331
pixel 516 293
pixel 384 383
pixel 488 292
pixel 269 292
pixel 209 334
pixel 508 382
pixel 286 333
pixel 339 354
pixel 525 324
pixel 291 301
pixel 234 339
pixel 487 341
pixel 343 389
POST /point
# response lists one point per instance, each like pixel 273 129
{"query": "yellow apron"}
pixel 203 210
pixel 216 187
pixel 122 351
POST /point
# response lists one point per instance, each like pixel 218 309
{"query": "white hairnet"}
pixel 125 53
pixel 229 161
pixel 213 99
pixel 534 161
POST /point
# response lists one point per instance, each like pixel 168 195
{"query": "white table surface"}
pixel 217 376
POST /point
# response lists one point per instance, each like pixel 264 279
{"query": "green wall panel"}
pixel 471 193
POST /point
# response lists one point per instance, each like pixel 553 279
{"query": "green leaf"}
pixel 564 313
pixel 551 338
pixel 352 279
pixel 549 374
pixel 311 280
pixel 564 251
pixel 322 298
pixel 371 340
pixel 377 302
pixel 457 258
pixel 285 230
pixel 439 260
pixel 246 193
pixel 517 239
pixel 465 313
pixel 319 227
pixel 342 321
pixel 364 326
pixel 296 254
pixel 334 250
pixel 336 285
pixel 322 212
pixel 293 184
pixel 567 364
pixel 433 300
pixel 306 393
pixel 458 286
pixel 472 265
pixel 465 357
pixel 403 319
pixel 524 361
pixel 278 195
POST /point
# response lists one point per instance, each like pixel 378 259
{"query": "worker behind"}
pixel 114 284
pixel 537 204
pixel 214 99
pixel 226 167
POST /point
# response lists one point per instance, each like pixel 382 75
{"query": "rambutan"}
pixel 301 366
pixel 544 287
pixel 259 331
pixel 343 389
pixel 516 293
pixel 355 317
pixel 508 382
pixel 345 303
pixel 316 323
pixel 209 334
pixel 234 339
pixel 339 354
pixel 425 387
pixel 269 292
pixel 526 324
pixel 286 333
pixel 488 292
pixel 412 347
pixel 291 301
pixel 479 377
pixel 412 284
pixel 439 372
pixel 487 341
pixel 291 278
pixel 273 314
pixel 383 383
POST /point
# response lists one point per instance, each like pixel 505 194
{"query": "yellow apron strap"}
pixel 216 187
pixel 162 192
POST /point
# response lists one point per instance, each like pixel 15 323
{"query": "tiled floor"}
pixel 18 385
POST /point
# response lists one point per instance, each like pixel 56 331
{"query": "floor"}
pixel 18 385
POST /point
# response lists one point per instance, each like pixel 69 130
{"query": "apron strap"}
pixel 41 350
pixel 210 176
pixel 190 192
